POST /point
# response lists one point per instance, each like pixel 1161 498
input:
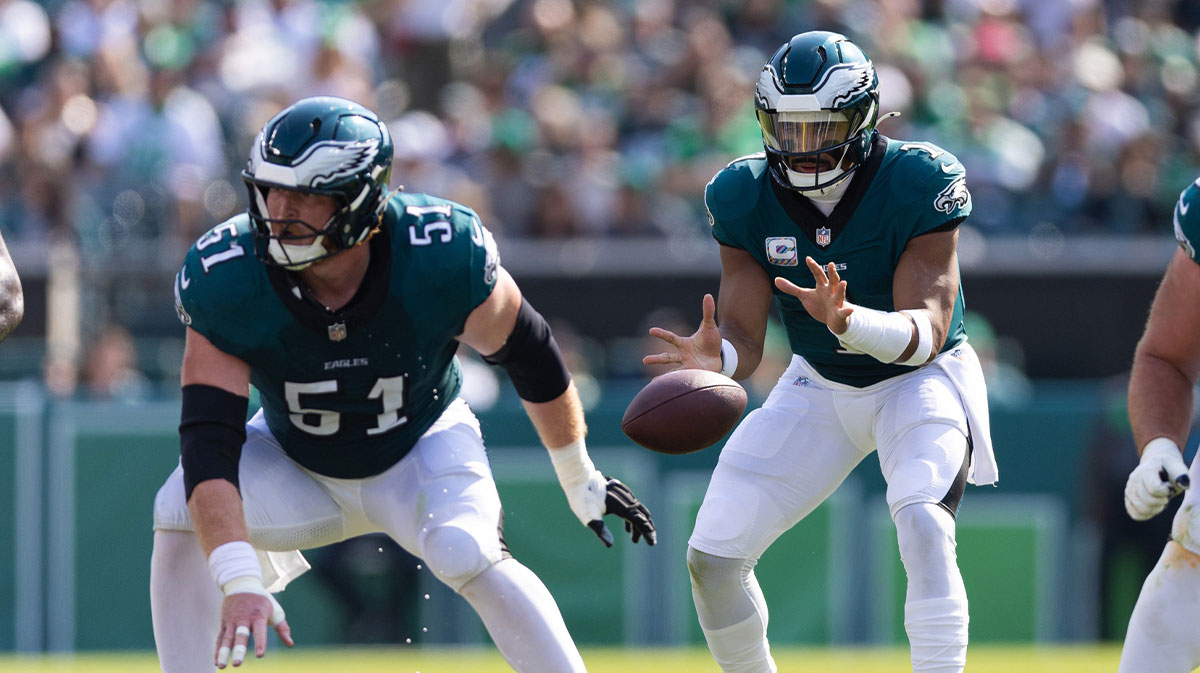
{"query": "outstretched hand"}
pixel 701 350
pixel 827 301
pixel 621 501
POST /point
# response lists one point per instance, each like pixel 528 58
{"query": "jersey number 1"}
pixel 232 252
pixel 389 390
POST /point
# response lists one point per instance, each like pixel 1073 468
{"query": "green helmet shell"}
pixel 815 72
pixel 322 145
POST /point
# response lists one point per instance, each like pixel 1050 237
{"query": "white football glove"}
pixel 591 495
pixel 1159 476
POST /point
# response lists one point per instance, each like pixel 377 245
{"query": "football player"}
pixel 1162 634
pixel 12 301
pixel 853 235
pixel 343 303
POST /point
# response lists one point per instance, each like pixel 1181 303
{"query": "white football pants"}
pixel 1164 630
pixel 788 456
pixel 439 503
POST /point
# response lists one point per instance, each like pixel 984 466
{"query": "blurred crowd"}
pixel 129 120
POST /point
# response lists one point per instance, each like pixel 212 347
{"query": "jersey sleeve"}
pixel 485 262
pixel 945 200
pixel 216 284
pixel 188 295
pixel 1187 219
pixel 728 197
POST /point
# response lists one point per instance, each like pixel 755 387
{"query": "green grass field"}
pixel 983 659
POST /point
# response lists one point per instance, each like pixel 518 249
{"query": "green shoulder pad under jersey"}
pixel 1187 219
pixel 348 393
pixel 902 191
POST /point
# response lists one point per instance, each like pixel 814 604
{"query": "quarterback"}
pixel 854 236
pixel 1163 635
pixel 343 303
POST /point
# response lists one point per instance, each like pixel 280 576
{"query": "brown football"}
pixel 684 411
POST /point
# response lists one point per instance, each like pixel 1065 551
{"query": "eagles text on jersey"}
pixel 348 393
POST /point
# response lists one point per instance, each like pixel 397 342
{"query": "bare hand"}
pixel 243 615
pixel 827 301
pixel 702 350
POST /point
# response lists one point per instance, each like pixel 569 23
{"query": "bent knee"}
pixel 707 569
pixel 455 556
pixel 924 527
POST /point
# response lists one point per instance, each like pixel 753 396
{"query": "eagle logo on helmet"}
pixel 847 82
pixel 323 163
pixel 329 161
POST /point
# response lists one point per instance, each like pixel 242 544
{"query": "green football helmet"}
pixel 817 102
pixel 321 145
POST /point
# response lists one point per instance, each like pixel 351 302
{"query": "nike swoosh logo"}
pixel 184 281
pixel 1183 207
pixel 947 167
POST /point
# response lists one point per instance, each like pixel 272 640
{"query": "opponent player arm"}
pixel 12 301
pixel 1166 366
pixel 508 332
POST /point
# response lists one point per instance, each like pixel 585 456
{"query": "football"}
pixel 684 411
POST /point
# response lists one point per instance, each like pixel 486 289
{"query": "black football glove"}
pixel 621 501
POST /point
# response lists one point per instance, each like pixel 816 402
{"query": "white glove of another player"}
pixel 1159 476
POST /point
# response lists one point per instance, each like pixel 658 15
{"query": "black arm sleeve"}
pixel 212 429
pixel 532 359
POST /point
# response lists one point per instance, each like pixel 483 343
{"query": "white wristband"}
pixel 572 463
pixel 1158 447
pixel 233 560
pixel 924 338
pixel 252 585
pixel 729 358
pixel 881 334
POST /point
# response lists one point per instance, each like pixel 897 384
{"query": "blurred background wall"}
pixel 584 132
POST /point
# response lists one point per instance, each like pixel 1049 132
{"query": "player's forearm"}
pixel 560 421
pixel 1160 400
pixel 216 509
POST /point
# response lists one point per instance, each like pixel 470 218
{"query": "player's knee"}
pixel 1185 530
pixel 455 556
pixel 707 570
pixel 923 531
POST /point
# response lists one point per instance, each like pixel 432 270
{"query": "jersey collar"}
pixel 363 306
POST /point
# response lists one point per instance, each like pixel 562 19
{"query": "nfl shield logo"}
pixel 823 236
pixel 337 331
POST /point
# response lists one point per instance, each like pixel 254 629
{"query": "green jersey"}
pixel 1187 219
pixel 902 191
pixel 348 393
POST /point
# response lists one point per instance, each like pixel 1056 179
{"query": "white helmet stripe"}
pixel 280 175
